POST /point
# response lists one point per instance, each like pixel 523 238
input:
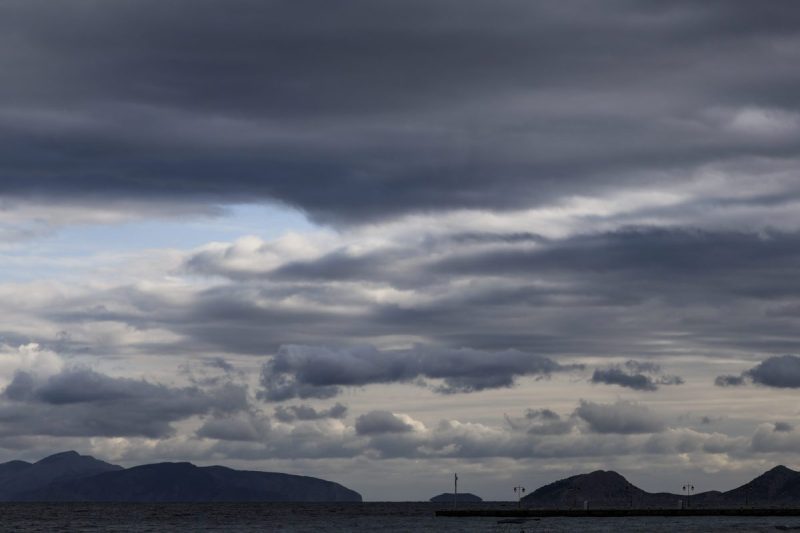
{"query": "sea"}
pixel 306 517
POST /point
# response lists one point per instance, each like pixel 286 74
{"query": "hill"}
pixel 779 486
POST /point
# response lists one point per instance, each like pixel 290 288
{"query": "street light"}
pixel 688 489
pixel 519 490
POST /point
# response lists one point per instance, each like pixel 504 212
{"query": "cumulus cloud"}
pixel 388 435
pixel 320 372
pixel 622 417
pixel 775 438
pixel 30 357
pixel 379 422
pixel 635 375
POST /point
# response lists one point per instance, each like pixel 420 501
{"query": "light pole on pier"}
pixel 519 490
pixel 688 489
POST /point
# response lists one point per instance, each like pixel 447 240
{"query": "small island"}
pixel 449 497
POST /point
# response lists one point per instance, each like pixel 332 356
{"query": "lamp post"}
pixel 519 490
pixel 455 490
pixel 688 489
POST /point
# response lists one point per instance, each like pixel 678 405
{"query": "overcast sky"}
pixel 380 242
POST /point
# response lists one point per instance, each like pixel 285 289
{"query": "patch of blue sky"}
pixel 55 253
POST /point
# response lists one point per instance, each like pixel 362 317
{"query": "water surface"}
pixel 383 517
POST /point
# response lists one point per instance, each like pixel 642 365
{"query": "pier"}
pixel 580 513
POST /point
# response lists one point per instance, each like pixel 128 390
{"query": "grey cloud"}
pixel 320 372
pixel 541 422
pixel 604 293
pixel 617 376
pixel 82 402
pixel 290 413
pixel 337 265
pixel 240 103
pixel 781 371
pixel 783 426
pixel 245 428
pixel 621 417
pixel 220 363
pixel 380 422
pixel 729 381
pixel 635 375
pixel 542 414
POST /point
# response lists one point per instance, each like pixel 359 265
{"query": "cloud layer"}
pixel 424 105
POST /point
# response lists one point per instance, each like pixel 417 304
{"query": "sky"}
pixel 384 242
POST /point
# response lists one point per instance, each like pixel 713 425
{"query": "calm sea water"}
pixel 383 517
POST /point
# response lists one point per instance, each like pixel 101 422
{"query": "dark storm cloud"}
pixel 620 417
pixel 781 371
pixel 646 253
pixel 82 402
pixel 320 372
pixel 635 375
pixel 358 110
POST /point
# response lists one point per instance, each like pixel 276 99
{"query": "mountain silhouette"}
pixel 72 477
pixel 778 487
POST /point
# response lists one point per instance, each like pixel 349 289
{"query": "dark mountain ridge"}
pixel 19 476
pixel 72 477
pixel 778 487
